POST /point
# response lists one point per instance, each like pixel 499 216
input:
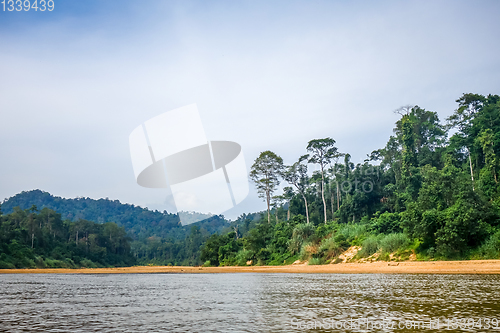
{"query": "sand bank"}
pixel 407 267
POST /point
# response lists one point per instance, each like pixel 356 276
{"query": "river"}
pixel 250 302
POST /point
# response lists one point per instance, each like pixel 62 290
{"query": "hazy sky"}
pixel 270 75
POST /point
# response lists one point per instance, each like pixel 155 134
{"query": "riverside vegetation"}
pixel 432 191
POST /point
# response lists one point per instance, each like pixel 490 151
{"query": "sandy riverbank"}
pixel 408 267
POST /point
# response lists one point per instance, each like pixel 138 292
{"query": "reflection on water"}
pixel 246 302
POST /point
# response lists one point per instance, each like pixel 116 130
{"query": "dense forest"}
pixel 139 222
pixel 32 238
pixel 154 237
pixel 431 193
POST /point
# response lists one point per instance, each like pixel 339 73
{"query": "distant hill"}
pixel 139 222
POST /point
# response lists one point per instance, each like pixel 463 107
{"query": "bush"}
pixel 243 256
pixel 369 246
pixel 300 233
pixel 393 242
pixel 6 265
pixel 39 262
pixel 69 263
pixel 307 251
pixel 294 244
pixel 341 240
pixel 315 261
pixel 353 233
pixel 489 249
pixel 303 230
pixel 329 248
pixel 386 223
pixel 53 263
pixel 88 263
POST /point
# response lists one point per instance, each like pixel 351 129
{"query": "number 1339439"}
pixel 27 5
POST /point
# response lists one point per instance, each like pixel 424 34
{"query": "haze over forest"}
pixel 426 194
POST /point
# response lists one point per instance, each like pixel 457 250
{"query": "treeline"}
pixel 155 237
pixel 186 252
pixel 432 191
pixel 140 223
pixel 31 238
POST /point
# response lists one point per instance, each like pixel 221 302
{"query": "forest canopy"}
pixel 431 193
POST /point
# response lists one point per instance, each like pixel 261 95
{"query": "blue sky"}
pixel 76 81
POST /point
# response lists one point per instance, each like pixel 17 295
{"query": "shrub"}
pixel 337 261
pixel 489 249
pixel 69 263
pixel 300 234
pixel 243 256
pixel 341 240
pixel 329 248
pixel 303 230
pixel 369 246
pixel 307 251
pixel 87 263
pixel 352 232
pixel 386 223
pixel 39 262
pixel 6 265
pixel 294 244
pixel 315 261
pixel 393 242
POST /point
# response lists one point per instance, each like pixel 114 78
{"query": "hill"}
pixel 140 223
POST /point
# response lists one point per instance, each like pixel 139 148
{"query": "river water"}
pixel 249 303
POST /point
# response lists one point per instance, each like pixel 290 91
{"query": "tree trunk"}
pixel 307 210
pixel 268 207
pixel 323 192
pixel 338 193
pixel 471 173
pixel 331 200
pixel 288 213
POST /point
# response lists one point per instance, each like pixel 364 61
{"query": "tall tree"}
pixel 322 151
pixel 265 173
pixel 288 195
pixel 296 175
pixel 277 201
pixel 486 140
pixel 409 178
pixel 468 106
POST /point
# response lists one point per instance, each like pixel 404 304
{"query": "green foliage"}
pixel 140 223
pixel 438 197
pixel 308 250
pixel 315 261
pixel 332 247
pixel 265 172
pixel 386 223
pixel 300 234
pixel 393 242
pixel 243 256
pixel 353 233
pixel 421 192
pixel 29 239
pixel 490 249
pixel 369 246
